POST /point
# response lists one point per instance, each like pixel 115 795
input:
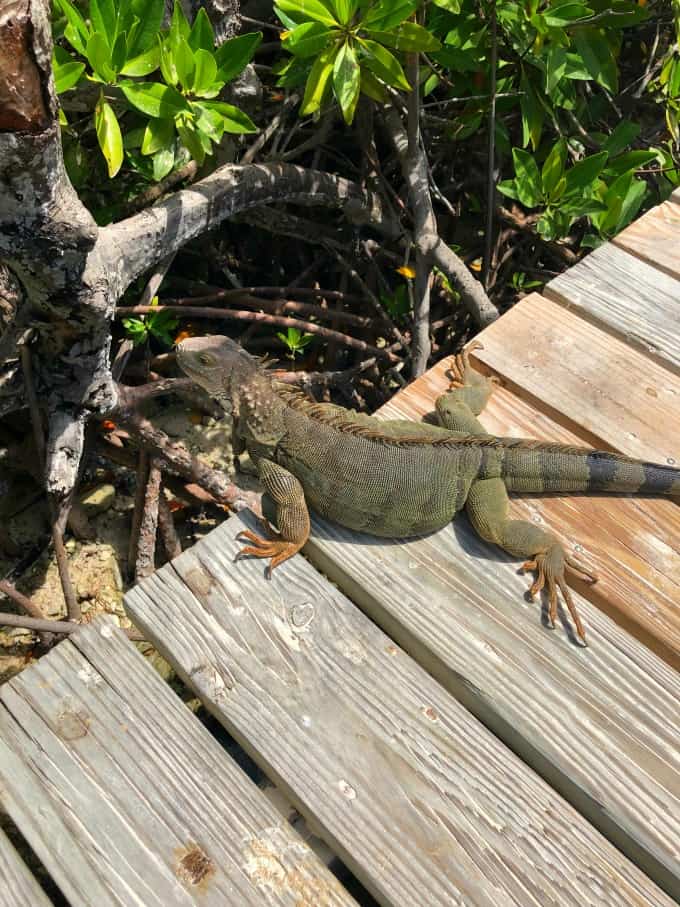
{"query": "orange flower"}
pixel 108 425
pixel 476 265
pixel 176 505
pixel 183 335
pixel 407 271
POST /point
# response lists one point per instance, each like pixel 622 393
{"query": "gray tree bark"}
pixel 61 275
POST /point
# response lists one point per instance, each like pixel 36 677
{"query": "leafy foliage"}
pixel 352 45
pixel 120 45
pixel 160 325
pixel 295 340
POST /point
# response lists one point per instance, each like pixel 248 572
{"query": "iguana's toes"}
pixel 550 566
pixel 255 539
pixel 278 550
pixel 581 570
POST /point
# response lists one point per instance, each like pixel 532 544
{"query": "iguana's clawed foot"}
pixel 274 547
pixel 550 566
pixel 461 371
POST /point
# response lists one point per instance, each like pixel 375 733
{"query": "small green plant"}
pixel 122 44
pixel 350 43
pixel 295 340
pixel 522 284
pixel 160 325
pixel 396 304
pixel 602 187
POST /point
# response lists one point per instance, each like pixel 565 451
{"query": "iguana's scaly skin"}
pixel 401 478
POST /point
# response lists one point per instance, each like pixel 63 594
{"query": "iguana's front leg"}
pixel 487 508
pixel 292 517
pixel 467 395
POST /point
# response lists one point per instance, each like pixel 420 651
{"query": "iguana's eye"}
pixel 206 359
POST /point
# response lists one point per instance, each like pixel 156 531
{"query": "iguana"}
pixel 401 478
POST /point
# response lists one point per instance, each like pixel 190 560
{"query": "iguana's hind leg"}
pixel 487 508
pixel 292 517
pixel 467 395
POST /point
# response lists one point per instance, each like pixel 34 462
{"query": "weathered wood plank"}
pixel 628 298
pixel 587 379
pixel 418 798
pixel 632 543
pixel 17 885
pixel 655 238
pixel 129 801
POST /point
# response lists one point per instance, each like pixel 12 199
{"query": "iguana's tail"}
pixel 538 467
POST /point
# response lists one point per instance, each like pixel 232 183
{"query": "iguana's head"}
pixel 210 361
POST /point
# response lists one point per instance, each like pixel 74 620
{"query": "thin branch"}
pixel 146 546
pixel 277 306
pixel 430 243
pixel 34 611
pixel 276 320
pixel 60 627
pixel 491 162
pixel 166 528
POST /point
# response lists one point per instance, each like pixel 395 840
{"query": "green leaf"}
pixel 163 162
pixel 631 203
pixel 179 27
pixel 79 32
pixel 346 80
pixel 384 64
pixel 104 19
pixel 235 120
pixel 408 37
pixel 99 57
pixel 168 68
pixel 553 168
pixel 527 178
pixel 372 87
pixel 317 81
pixel 308 9
pixel 343 9
pixel 159 133
pixel 210 122
pixel 389 13
pixel 451 6
pixel 154 99
pixel 308 39
pixel 234 54
pixel 136 329
pixel 109 136
pixel 561 14
pixel 556 67
pixel 118 53
pixel 149 14
pixel 597 57
pixel 509 188
pixel 143 64
pixel 202 36
pixel 532 114
pixel 581 177
pixel 191 142
pixel 631 160
pixel 67 72
pixel 205 71
pixel 184 62
pixel 625 133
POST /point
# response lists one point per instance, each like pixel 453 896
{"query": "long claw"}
pixel 549 566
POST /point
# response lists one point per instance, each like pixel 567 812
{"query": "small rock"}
pixel 98 499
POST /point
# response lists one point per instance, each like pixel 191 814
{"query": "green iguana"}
pixel 401 478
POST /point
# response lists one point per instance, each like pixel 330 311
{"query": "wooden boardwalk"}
pixel 406 698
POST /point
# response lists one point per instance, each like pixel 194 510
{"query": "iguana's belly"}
pixel 377 488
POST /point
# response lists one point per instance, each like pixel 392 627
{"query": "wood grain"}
pixel 655 238
pixel 420 800
pixel 586 379
pixel 628 298
pixel 633 544
pixel 17 885
pixel 129 801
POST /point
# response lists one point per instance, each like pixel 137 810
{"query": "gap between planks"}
pixel 419 799
pixel 129 801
